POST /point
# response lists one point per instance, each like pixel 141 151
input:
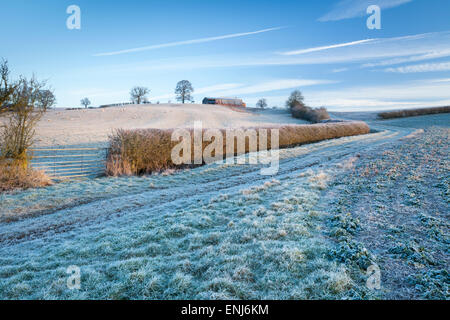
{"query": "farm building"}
pixel 225 101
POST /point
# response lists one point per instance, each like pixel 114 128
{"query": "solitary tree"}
pixel 295 98
pixel 262 103
pixel 183 91
pixel 23 103
pixel 138 94
pixel 46 98
pixel 85 102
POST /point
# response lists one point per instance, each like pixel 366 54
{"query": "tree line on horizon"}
pixel 184 90
pixel 139 94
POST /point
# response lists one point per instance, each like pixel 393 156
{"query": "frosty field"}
pixel 92 126
pixel 223 231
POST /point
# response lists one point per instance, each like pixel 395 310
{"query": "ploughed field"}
pixel 334 209
pixel 92 126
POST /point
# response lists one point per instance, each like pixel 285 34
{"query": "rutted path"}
pixel 206 182
pixel 218 231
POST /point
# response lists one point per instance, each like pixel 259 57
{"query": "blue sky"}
pixel 248 49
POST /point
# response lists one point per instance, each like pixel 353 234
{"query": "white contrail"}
pixel 182 43
pixel 340 45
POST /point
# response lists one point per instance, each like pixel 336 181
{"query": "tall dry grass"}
pixel 413 112
pixel 136 152
pixel 14 175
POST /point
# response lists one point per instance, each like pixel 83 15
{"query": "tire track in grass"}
pixel 115 238
pixel 230 177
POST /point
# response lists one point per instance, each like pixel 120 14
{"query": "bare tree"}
pixel 183 91
pixel 262 103
pixel 295 98
pixel 85 102
pixel 138 94
pixel 46 98
pixel 6 87
pixel 25 107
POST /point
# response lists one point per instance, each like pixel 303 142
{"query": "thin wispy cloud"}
pixel 346 9
pixel 187 42
pixel 408 94
pixel 375 53
pixel 323 48
pixel 427 67
pixel 339 70
pixel 440 80
pixel 414 58
pixel 275 85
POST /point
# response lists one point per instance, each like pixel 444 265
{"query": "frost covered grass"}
pixel 393 210
pixel 134 152
pixel 262 242
pixel 223 231
pixel 231 233
pixel 20 204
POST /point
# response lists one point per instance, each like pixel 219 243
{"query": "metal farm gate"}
pixel 70 163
